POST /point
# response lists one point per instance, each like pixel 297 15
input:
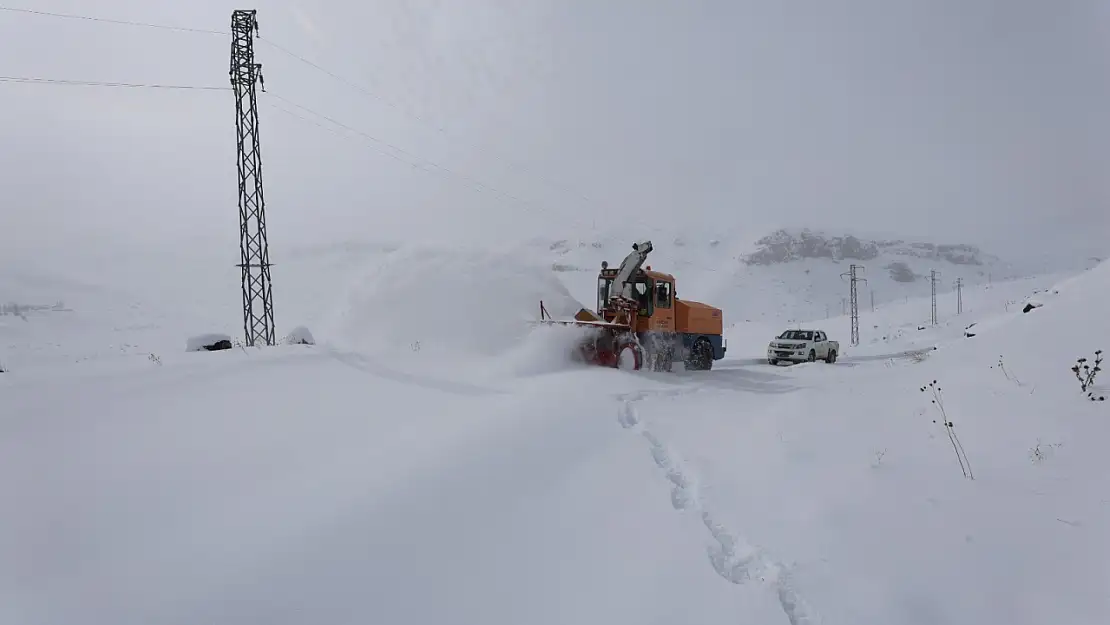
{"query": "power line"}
pixel 107 20
pixel 29 80
pixel 408 113
pixel 475 183
pixel 421 162
pixel 298 57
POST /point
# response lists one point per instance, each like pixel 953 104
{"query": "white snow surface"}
pixel 439 458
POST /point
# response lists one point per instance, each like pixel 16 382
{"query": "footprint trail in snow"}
pixel 732 557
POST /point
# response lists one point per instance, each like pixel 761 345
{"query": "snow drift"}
pixel 461 303
pixel 547 349
pixel 299 335
pixel 302 484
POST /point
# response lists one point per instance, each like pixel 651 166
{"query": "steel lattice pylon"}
pixel 853 299
pixel 254 250
pixel 933 297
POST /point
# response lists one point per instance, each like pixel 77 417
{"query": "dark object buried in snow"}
pixel 1030 306
pixel 208 343
pixel 967 331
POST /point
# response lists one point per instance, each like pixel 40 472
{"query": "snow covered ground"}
pixel 435 458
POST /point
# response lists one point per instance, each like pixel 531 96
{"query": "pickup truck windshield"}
pixel 797 335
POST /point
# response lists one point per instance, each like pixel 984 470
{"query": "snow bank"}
pixel 864 502
pixel 299 335
pixel 547 349
pixel 448 302
pixel 178 495
pixel 198 500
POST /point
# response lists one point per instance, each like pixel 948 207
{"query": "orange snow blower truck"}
pixel 640 321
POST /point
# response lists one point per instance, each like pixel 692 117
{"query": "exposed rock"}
pixel 784 246
pixel 901 272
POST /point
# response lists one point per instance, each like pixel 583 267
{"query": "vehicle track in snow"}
pixel 731 555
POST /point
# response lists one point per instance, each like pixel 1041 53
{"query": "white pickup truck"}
pixel 802 346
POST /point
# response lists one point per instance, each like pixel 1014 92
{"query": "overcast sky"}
pixel 973 120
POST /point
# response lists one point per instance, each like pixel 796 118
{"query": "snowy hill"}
pixel 787 275
pixel 481 477
pixel 785 246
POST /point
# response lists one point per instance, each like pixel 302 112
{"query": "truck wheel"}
pixel 812 356
pixel 772 362
pixel 665 359
pixel 701 356
pixel 831 358
pixel 629 357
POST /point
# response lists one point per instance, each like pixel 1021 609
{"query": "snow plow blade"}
pixel 607 344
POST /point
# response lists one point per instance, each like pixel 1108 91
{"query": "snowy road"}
pixel 332 485
pixel 351 492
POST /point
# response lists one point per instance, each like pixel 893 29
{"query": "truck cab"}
pixel 667 326
pixel 653 291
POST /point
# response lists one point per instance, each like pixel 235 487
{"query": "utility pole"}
pixel 872 300
pixel 959 296
pixel 254 249
pixel 853 296
pixel 933 284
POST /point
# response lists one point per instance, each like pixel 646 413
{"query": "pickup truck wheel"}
pixel 812 356
pixel 831 358
pixel 772 362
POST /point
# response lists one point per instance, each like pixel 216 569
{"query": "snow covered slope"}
pixel 907 323
pixel 365 480
pixel 787 275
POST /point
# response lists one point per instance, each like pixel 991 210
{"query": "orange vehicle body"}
pixel 663 329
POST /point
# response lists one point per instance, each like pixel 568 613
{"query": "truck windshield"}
pixel 641 292
pixel 797 335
